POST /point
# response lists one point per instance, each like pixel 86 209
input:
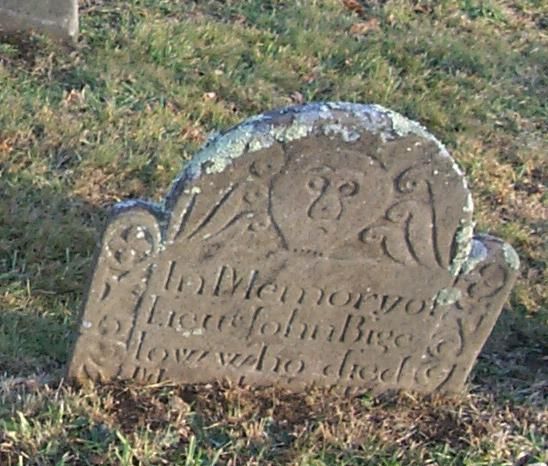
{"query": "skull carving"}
pixel 331 198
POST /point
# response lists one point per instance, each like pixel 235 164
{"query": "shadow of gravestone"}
pixel 46 239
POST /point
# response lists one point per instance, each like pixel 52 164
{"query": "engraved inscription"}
pixel 279 315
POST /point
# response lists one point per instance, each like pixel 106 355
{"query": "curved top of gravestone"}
pixel 400 195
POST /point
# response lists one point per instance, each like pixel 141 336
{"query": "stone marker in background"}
pixel 328 244
pixel 55 17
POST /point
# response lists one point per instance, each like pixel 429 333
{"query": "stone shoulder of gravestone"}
pixel 59 18
pixel 326 244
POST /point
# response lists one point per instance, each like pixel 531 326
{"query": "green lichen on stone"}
pixel 403 126
pixel 252 135
pixel 260 141
pixel 344 119
pixel 448 296
pixel 510 256
pixel 478 254
pixel 220 150
pixel 298 129
pixel 347 134
pixel 230 146
pixel 469 204
pixel 463 240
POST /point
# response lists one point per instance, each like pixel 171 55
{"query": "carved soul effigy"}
pixel 325 244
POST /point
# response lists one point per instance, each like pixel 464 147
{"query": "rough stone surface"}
pixel 56 17
pixel 328 244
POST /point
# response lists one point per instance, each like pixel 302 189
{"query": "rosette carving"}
pixel 130 243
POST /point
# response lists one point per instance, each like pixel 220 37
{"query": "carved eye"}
pixel 350 188
pixel 317 183
pixel 371 235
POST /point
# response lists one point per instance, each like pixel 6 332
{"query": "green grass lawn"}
pixel 118 115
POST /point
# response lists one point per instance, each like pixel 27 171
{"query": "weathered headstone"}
pixel 55 17
pixel 328 244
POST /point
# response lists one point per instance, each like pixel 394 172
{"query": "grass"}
pixel 118 115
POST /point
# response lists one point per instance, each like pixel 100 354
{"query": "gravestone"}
pixel 58 18
pixel 326 244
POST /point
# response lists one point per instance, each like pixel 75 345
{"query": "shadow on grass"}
pixel 512 364
pixel 47 239
pixel 31 343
